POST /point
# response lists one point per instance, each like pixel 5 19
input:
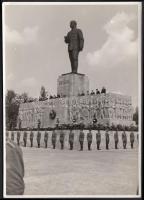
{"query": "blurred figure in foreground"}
pixel 14 169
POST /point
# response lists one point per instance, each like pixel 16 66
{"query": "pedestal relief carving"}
pixel 83 108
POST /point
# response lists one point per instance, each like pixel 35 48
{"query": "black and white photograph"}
pixel 72 99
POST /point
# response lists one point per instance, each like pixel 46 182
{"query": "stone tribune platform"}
pixel 108 108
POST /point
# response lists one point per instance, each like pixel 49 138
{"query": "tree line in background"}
pixel 13 100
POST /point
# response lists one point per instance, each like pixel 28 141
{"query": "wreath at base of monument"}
pixel 52 114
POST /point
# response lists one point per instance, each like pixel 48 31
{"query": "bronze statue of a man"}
pixel 75 42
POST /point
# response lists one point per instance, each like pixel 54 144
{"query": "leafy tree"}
pixel 43 95
pixel 12 108
pixel 24 97
pixel 13 101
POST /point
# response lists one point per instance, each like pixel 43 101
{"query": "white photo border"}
pixel 139 4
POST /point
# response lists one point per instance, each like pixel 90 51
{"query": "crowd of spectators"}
pixel 103 90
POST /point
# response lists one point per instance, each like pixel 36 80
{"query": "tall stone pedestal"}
pixel 72 84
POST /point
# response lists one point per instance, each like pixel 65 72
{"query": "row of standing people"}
pixel 103 91
pixel 71 139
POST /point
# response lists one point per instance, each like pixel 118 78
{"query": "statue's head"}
pixel 73 24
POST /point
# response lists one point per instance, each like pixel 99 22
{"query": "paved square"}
pixel 65 172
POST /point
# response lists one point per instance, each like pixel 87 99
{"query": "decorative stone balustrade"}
pixel 76 139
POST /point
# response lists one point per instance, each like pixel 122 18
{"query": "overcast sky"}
pixel 35 52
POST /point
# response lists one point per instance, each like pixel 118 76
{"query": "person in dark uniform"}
pixel 132 138
pixel 82 94
pixel 107 139
pixel 81 139
pixel 124 139
pixel 38 138
pixel 12 136
pixel 14 169
pixel 103 90
pixel 98 139
pixel 54 136
pixel 62 136
pixel 89 139
pixel 18 137
pixel 71 139
pixel 116 139
pixel 46 138
pixel 97 91
pixel 25 138
pixel 92 92
pixel 31 138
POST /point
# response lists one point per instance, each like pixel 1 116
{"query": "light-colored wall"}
pixel 112 108
pixel 76 142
